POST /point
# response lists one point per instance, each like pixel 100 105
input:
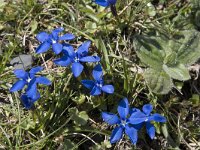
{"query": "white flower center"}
pixel 123 123
pixel 28 80
pixel 54 41
pixel 76 59
pixel 99 85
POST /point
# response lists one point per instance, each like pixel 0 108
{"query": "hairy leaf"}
pixel 178 72
pixel 152 59
pixel 189 52
pixel 158 81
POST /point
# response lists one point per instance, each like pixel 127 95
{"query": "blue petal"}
pixel 77 69
pixel 63 61
pixel 32 89
pixel 138 126
pixel 108 89
pixel 133 110
pixel 55 32
pixel 69 51
pixel 157 118
pixel 83 49
pixel 42 36
pixel 95 91
pixel 112 2
pixel 97 72
pixel 67 37
pixel 21 74
pixel 18 86
pixel 88 84
pixel 137 117
pixel 57 48
pixel 28 102
pixel 123 108
pixel 90 59
pixel 43 47
pixel 103 3
pixel 116 134
pixel 132 134
pixel 147 109
pixel 150 130
pixel 110 118
pixel 43 80
pixel 34 70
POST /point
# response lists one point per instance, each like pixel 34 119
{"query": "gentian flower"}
pixel 97 86
pixel 123 123
pixel 146 117
pixel 29 79
pixel 48 40
pixel 105 3
pixel 76 58
pixel 28 101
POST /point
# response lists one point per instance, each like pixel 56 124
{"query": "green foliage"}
pixel 66 116
pixel 168 58
pixel 80 118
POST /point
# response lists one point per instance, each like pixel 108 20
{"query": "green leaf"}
pixel 153 59
pixel 34 25
pixel 80 118
pixel 68 144
pixel 2 4
pixel 158 81
pixel 189 52
pixel 171 59
pixel 101 46
pixel 150 50
pixel 126 79
pixel 151 10
pixel 197 18
pixel 178 72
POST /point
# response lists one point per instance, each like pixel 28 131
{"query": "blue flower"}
pixel 146 117
pixel 76 58
pixel 48 40
pixel 123 123
pixel 28 101
pixel 105 3
pixel 29 79
pixel 98 85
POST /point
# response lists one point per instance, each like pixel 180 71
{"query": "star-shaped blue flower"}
pixel 123 123
pixel 105 3
pixel 29 79
pixel 97 86
pixel 48 40
pixel 76 58
pixel 146 117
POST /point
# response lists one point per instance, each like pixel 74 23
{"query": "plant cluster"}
pixel 77 58
pixel 89 72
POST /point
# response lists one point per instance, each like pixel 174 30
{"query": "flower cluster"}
pixel 75 58
pixel 30 80
pixel 131 120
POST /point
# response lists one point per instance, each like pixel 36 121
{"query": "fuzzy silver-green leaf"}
pixel 158 81
pixel 178 72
